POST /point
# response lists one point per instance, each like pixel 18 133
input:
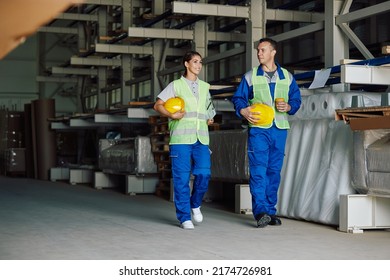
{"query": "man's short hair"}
pixel 269 40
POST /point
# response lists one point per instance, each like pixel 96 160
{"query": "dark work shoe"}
pixel 275 221
pixel 263 220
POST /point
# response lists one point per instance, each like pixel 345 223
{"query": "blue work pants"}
pixel 185 159
pixel 266 154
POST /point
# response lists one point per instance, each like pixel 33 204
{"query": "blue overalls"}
pixel 266 146
pixel 187 159
pixel 266 155
pixel 189 150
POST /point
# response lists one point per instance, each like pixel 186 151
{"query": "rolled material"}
pixel 45 138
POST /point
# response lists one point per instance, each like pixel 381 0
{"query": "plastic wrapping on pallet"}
pixel 127 155
pixel 316 170
pixel 322 104
pixel 229 160
pixel 378 155
pixel 325 159
pixel 371 167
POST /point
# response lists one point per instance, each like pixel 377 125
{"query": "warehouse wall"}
pixel 18 77
pixel 18 72
pixel 54 50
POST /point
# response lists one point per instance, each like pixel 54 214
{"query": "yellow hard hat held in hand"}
pixel 174 104
pixel 266 115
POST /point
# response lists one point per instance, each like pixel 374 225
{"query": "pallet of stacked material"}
pixel 160 142
pixel 164 167
pixel 163 162
pixel 164 188
pixel 158 124
pixel 214 127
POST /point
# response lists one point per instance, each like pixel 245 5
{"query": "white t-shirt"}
pixel 169 92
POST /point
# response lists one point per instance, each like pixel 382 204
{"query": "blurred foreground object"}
pixel 21 18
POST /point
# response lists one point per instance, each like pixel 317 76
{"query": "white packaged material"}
pixel 366 161
pixel 322 105
pixel 317 169
pixel 378 155
pixel 324 159
pixel 127 155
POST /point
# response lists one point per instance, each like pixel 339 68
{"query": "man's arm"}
pixel 240 98
pixel 241 101
pixel 294 97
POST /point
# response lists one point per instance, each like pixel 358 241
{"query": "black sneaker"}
pixel 263 220
pixel 275 221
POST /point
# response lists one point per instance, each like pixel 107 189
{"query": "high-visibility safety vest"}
pixel 193 125
pixel 262 94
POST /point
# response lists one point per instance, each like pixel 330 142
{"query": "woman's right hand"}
pixel 178 115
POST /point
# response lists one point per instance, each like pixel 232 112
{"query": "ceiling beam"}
pixel 293 16
pixel 363 13
pixel 74 71
pixel 299 32
pixel 125 49
pixel 78 17
pixel 51 79
pixel 96 61
pixel 160 33
pixel 210 9
pixel 62 30
pixel 243 12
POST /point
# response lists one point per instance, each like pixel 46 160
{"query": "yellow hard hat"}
pixel 266 116
pixel 174 104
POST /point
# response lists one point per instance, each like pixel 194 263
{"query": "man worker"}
pixel 266 142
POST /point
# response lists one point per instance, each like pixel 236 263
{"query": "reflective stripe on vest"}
pixel 262 94
pixel 193 125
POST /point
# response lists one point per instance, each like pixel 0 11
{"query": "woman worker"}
pixel 189 139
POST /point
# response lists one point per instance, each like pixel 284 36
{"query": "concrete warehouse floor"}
pixel 43 220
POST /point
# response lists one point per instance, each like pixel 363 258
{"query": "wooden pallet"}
pixel 214 127
pixel 157 120
pixel 159 140
pixel 164 188
pixel 364 118
pixel 158 124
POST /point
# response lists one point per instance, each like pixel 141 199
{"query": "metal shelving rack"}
pixel 129 50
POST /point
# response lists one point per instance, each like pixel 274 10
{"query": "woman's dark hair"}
pixel 187 57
